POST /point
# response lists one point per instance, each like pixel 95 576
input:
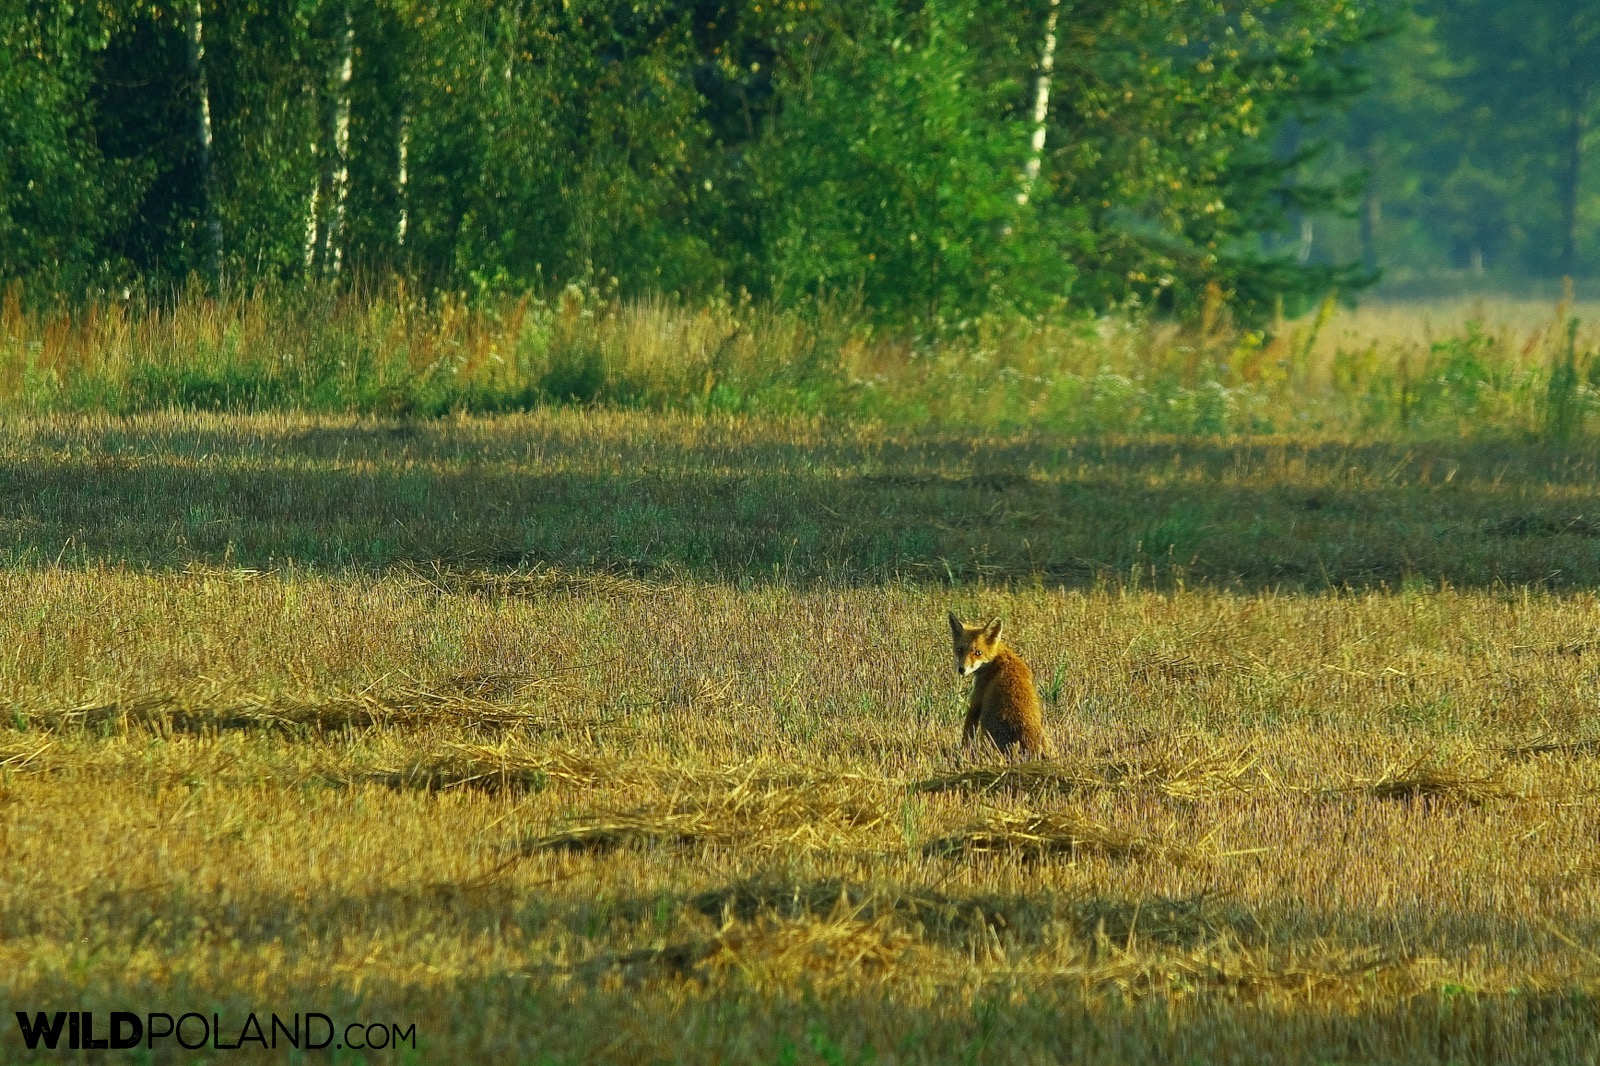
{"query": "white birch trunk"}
pixel 401 177
pixel 313 205
pixel 1041 104
pixel 339 183
pixel 202 121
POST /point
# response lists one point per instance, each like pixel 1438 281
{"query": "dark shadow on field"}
pixel 733 506
pixel 660 1004
pixel 175 919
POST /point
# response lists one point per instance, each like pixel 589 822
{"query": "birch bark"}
pixel 402 176
pixel 202 121
pixel 339 164
pixel 1041 104
pixel 331 146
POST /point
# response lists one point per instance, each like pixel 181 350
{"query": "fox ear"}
pixel 955 624
pixel 992 630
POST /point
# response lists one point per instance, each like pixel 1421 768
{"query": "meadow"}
pixel 626 730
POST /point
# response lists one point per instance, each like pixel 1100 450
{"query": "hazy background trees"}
pixel 872 152
pixel 1478 143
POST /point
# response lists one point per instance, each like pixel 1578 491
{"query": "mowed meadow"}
pixel 628 731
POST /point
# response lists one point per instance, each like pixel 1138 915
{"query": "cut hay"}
pixel 1029 778
pixel 498 685
pixel 1056 833
pixel 1180 776
pixel 167 714
pixel 1424 781
pixel 1327 973
pixel 1548 745
pixel 1174 922
pixel 495 770
pixel 515 768
pixel 839 947
pixel 965 921
pixel 22 757
pixel 813 818
pixel 612 831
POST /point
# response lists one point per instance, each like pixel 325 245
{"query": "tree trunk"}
pixel 331 147
pixel 1308 235
pixel 1041 104
pixel 337 168
pixel 1572 178
pixel 202 122
pixel 402 176
pixel 313 205
pixel 1371 209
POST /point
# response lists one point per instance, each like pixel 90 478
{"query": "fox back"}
pixel 1005 704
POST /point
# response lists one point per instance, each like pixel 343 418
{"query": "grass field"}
pixel 586 736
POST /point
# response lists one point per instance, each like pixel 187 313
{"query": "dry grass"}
pixel 180 713
pixel 1176 772
pixel 1414 371
pixel 1038 835
pixel 665 802
pixel 1423 781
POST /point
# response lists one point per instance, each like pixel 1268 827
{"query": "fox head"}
pixel 975 645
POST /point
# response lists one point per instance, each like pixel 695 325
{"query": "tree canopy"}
pixel 879 152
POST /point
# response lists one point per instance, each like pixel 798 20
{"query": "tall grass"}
pixel 395 352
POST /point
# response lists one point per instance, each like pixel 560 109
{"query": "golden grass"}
pixel 681 811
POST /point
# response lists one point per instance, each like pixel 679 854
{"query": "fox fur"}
pixel 1005 704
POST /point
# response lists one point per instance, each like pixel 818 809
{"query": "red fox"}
pixel 1004 701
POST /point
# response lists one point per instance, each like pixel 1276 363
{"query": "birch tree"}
pixel 325 226
pixel 1041 104
pixel 195 35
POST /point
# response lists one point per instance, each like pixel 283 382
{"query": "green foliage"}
pixel 57 197
pixel 1477 141
pixel 871 153
pixel 1175 142
pixel 893 176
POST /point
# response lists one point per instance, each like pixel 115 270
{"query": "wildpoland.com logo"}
pixel 81 1030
